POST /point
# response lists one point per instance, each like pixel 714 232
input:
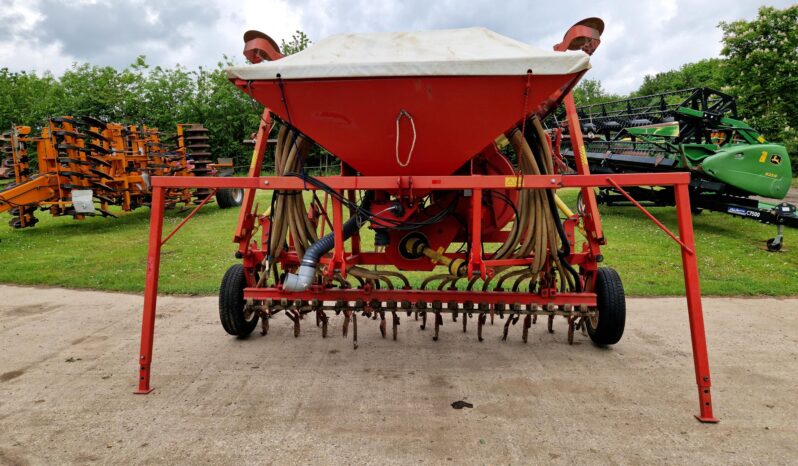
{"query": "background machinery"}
pixel 694 130
pixel 83 160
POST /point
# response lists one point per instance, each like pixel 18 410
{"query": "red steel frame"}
pixel 478 184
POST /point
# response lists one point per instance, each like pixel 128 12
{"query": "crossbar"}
pixel 650 216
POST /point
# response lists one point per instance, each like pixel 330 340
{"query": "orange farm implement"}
pixel 460 228
pixel 83 161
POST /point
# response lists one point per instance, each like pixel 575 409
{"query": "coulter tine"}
pixel 383 331
pixel 294 316
pixel 347 319
pixel 423 320
pixel 468 306
pixel 507 327
pixel 395 325
pixel 264 325
pixel 480 322
pixel 354 330
pixel 375 305
pixel 324 319
pixel 571 325
pixel 527 324
pixel 499 307
pixel 551 323
pixel 484 309
pixel 438 324
pixel 407 306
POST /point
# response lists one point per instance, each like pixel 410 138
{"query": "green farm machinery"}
pixel 733 167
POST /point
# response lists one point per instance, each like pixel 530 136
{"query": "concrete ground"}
pixel 68 370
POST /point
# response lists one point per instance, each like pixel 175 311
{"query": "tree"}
pixel 26 98
pixel 298 43
pixel 590 91
pixel 762 70
pixel 704 73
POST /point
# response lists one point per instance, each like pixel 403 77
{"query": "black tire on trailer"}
pixel 773 246
pixel 227 198
pixel 607 327
pixel 236 320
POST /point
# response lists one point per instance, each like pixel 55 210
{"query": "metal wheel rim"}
pixel 238 195
pixel 249 313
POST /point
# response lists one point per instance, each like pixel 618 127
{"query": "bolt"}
pixel 266 182
pixel 554 181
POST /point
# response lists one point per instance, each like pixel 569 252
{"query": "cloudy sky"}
pixel 642 36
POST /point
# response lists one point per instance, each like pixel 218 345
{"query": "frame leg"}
pixel 475 261
pixel 694 310
pixel 151 290
pixel 592 218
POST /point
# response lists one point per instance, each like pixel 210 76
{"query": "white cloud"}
pixel 641 36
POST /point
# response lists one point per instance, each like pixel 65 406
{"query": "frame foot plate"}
pixel 707 420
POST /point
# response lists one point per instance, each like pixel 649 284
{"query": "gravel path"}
pixel 68 369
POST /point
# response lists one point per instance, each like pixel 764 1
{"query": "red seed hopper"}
pixel 420 103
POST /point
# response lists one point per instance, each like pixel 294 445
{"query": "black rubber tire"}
pixel 772 247
pixel 231 303
pixel 227 198
pixel 611 301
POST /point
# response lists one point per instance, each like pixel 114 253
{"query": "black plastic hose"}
pixel 324 245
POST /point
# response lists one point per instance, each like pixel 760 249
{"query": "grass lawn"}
pixel 110 254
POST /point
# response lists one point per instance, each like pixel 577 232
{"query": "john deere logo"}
pixel 775 159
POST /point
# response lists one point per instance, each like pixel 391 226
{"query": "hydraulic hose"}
pixel 304 277
pixel 565 251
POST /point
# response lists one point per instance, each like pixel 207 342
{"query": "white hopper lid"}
pixel 449 52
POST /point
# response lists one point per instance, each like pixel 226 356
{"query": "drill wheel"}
pixel 607 327
pixel 236 318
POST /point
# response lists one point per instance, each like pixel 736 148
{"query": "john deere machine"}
pixel 697 130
